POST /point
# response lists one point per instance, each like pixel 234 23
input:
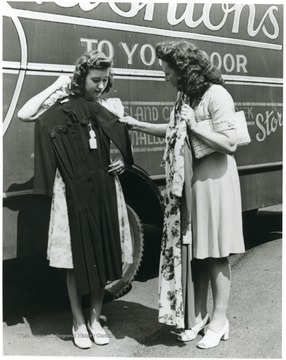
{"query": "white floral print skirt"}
pixel 59 252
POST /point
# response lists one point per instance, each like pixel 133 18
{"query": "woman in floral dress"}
pixel 89 233
pixel 203 218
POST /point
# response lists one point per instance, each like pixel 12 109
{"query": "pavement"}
pixel 37 319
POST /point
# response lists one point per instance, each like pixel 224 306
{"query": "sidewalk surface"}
pixel 39 322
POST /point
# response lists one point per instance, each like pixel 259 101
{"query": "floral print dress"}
pixel 175 231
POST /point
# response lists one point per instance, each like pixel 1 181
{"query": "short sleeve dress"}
pixel 216 203
pixel 203 218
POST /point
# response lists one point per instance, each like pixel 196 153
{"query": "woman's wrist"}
pixel 192 126
pixel 52 89
pixel 136 126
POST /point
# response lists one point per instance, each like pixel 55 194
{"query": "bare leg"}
pixel 219 270
pixel 96 300
pixel 99 335
pixel 75 300
pixel 201 282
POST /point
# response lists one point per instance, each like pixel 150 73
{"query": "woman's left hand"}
pixel 187 114
pixel 117 167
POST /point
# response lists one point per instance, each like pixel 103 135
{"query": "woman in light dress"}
pixel 203 215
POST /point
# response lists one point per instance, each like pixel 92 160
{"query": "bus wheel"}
pixel 116 289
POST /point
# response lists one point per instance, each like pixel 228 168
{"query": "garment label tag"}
pixel 92 134
pixel 93 143
pixel 92 140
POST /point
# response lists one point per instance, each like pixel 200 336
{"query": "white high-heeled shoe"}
pixel 81 337
pixel 191 334
pixel 100 337
pixel 212 339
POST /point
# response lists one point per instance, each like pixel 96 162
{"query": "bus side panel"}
pixel 261 189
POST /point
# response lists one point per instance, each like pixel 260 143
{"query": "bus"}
pixel 42 40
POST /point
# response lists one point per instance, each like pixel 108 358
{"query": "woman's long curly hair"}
pixel 91 60
pixel 192 66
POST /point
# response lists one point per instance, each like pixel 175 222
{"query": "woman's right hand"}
pixel 130 122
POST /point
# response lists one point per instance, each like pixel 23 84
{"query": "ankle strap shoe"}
pixel 191 334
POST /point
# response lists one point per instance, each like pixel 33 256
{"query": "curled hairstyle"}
pixel 192 66
pixel 89 61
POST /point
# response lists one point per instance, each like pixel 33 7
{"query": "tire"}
pixel 120 287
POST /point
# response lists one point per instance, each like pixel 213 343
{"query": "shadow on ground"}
pixel 31 287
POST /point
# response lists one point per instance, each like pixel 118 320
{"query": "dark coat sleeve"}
pixel 116 131
pixel 44 160
pixel 119 134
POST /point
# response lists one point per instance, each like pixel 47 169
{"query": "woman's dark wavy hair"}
pixel 194 71
pixel 91 60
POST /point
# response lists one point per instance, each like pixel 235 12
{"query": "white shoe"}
pixel 191 334
pixel 100 337
pixel 212 339
pixel 81 337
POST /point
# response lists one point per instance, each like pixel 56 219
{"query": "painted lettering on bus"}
pixel 212 16
pixel 248 111
pixel 147 54
pixel 149 113
pixel 268 124
pixel 141 139
pixel 143 113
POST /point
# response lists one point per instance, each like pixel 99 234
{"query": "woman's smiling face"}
pixel 95 83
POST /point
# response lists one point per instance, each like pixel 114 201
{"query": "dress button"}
pixel 53 133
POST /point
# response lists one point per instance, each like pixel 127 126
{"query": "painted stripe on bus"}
pixel 121 73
